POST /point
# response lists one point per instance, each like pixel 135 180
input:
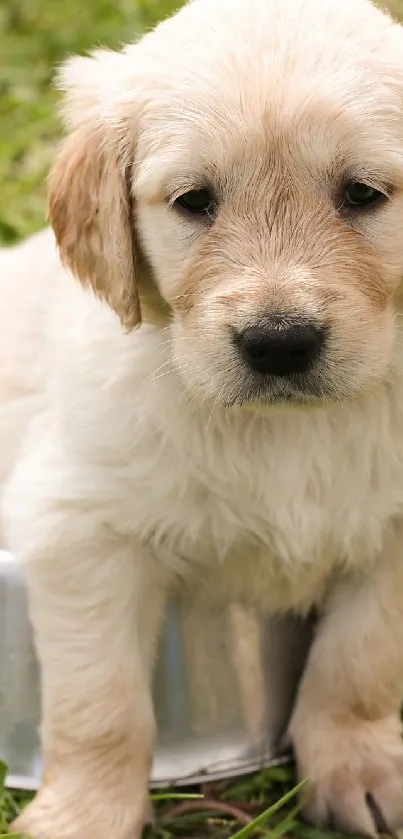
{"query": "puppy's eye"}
pixel 198 202
pixel 357 194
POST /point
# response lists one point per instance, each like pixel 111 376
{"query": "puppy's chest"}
pixel 278 502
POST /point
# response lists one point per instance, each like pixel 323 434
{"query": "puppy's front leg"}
pixel 96 605
pixel 345 727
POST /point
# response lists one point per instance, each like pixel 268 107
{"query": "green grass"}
pixel 35 36
pixel 264 804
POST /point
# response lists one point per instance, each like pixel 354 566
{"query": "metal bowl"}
pixel 223 689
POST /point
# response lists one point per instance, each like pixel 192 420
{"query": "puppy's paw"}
pixel 56 814
pixel 355 770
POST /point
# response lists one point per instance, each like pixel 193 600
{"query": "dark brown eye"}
pixel 357 194
pixel 197 202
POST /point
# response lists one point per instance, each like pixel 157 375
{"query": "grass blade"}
pixel 261 820
pixel 3 773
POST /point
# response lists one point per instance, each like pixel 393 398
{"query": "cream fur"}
pixel 131 458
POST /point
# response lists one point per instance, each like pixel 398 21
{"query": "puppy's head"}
pixel 243 166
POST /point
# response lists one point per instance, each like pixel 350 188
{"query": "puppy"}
pixel 234 181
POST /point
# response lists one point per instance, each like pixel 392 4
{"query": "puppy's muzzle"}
pixel 281 348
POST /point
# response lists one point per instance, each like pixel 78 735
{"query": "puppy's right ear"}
pixel 90 200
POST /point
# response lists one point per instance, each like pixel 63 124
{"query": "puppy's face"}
pixel 259 147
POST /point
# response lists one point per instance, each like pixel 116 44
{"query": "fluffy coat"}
pixel 134 457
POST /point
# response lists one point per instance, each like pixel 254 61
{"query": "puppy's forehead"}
pixel 256 77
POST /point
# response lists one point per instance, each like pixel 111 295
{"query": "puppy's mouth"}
pixel 285 394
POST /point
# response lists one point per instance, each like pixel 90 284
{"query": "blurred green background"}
pixel 35 35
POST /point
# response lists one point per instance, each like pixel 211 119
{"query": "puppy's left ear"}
pixel 90 203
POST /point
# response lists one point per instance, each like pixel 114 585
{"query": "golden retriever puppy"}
pixel 235 181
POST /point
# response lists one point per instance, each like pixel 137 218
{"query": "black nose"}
pixel 281 350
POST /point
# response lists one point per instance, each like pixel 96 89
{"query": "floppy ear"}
pixel 90 203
